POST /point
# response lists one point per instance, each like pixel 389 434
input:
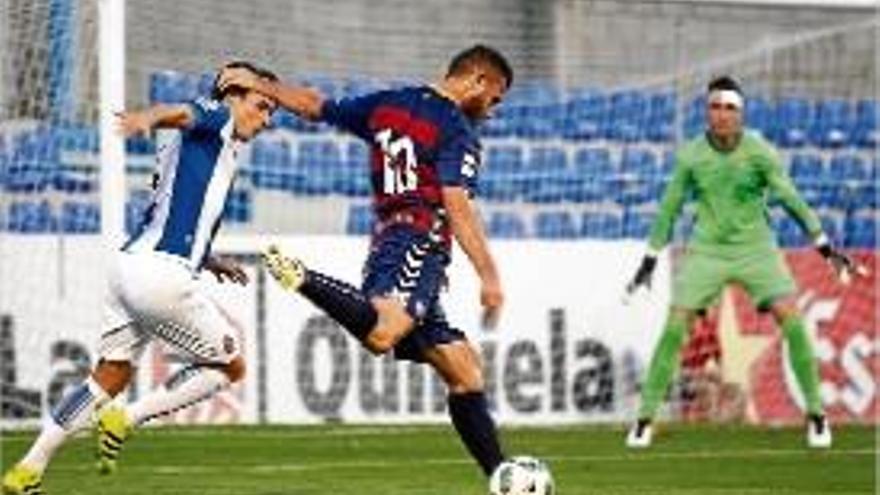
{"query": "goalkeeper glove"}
pixel 843 266
pixel 643 275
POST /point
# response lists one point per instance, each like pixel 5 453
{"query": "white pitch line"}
pixel 325 466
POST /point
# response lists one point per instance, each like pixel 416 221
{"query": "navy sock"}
pixel 470 415
pixel 344 303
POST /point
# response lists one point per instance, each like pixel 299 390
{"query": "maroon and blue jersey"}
pixel 420 142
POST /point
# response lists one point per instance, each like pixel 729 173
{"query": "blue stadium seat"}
pixel 694 121
pixel 172 87
pixel 640 162
pixel 504 160
pixel 135 209
pixel 661 117
pixel 506 225
pixel 80 217
pixel 861 231
pixel 353 178
pixel 833 123
pixel 628 116
pixel 789 232
pixel 30 217
pixel 759 115
pixel 585 114
pixel 270 165
pixel 321 154
pixel 793 121
pixel 848 167
pixel 239 206
pixel 865 130
pixel 555 225
pixel 636 225
pixel 807 168
pixel 71 181
pixel 603 225
pixel 831 224
pixel 360 220
pixel 594 163
pixel 547 161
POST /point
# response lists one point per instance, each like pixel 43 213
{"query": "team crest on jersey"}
pixel 207 105
pixel 469 165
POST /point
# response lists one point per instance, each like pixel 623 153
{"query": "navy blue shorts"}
pixel 405 264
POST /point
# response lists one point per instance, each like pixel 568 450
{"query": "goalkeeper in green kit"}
pixel 730 171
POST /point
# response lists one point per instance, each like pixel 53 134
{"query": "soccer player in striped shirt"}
pixel 153 287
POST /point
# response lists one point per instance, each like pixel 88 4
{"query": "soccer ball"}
pixel 521 475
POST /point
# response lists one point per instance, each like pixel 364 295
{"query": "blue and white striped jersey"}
pixel 196 172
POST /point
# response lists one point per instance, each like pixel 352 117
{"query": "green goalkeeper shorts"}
pixel 706 270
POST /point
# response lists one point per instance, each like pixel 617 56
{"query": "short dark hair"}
pixel 724 83
pixel 218 94
pixel 480 55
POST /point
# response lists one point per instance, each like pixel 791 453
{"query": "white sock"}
pixel 187 387
pixel 72 413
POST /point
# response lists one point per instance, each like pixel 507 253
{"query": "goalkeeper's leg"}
pixel 660 371
pixel 806 370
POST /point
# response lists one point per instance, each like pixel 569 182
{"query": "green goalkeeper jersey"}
pixel 731 189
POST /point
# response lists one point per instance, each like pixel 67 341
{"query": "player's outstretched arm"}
pixel 468 231
pixel 142 122
pixel 304 101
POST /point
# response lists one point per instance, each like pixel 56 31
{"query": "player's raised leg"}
pixel 379 322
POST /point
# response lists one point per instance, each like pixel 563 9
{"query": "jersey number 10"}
pixel 398 163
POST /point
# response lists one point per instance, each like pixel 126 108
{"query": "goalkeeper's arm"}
pixel 785 190
pixel 661 231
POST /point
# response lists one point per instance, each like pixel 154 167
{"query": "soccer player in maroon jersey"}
pixel 425 157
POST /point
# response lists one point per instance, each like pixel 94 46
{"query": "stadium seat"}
pixel 547 162
pixel 135 208
pixel 628 116
pixel 29 217
pixel 788 232
pixel 865 128
pixel 593 163
pixel 636 225
pixel 848 167
pixel 602 225
pixel 793 118
pixel 759 115
pixel 171 87
pixel 555 225
pixel 860 231
pixel 360 220
pixel 806 169
pixel 238 207
pixel 640 162
pixel 72 181
pixel 585 114
pixel 270 165
pixel 506 225
pixel 694 121
pixel 833 124
pixel 504 160
pixel 80 217
pixel 661 117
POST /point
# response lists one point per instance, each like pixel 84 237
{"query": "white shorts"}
pixel 155 295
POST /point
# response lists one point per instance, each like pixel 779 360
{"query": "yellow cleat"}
pixel 114 428
pixel 289 272
pixel 22 480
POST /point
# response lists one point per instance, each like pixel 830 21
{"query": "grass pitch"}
pixel 352 460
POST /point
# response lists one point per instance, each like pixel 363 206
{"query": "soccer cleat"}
pixel 818 432
pixel 114 428
pixel 289 272
pixel 22 480
pixel 640 435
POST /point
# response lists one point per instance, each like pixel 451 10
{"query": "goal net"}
pixel 574 163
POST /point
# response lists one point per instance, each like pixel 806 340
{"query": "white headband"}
pixel 726 96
